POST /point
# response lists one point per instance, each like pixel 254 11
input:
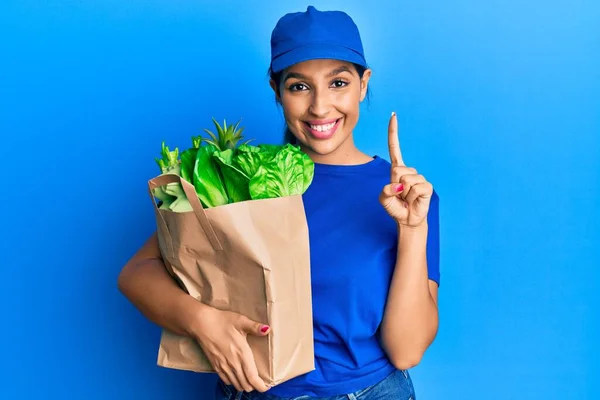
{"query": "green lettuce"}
pixel 288 173
pixel 236 181
pixel 207 178
pixel 223 171
pixel 309 166
pixel 188 160
pixel 248 158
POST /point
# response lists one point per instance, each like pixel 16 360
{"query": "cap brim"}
pixel 316 51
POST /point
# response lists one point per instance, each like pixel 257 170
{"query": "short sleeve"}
pixel 433 239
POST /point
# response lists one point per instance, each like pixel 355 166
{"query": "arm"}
pixel 410 320
pixel 145 281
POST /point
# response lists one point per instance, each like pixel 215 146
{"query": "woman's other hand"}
pixel 222 336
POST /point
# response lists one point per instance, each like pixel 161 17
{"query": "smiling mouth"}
pixel 323 131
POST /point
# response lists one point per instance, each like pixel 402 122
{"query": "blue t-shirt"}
pixel 353 245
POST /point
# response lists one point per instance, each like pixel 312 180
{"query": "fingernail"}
pixel 264 329
pixel 405 205
pixel 399 188
pixel 393 113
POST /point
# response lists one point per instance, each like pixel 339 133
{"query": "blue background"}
pixel 499 106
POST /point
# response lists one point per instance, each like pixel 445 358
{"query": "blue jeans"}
pixel 396 386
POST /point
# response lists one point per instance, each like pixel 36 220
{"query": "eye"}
pixel 338 83
pixel 297 87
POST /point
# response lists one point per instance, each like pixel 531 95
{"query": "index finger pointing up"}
pixel 394 142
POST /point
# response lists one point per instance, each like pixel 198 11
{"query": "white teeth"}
pixel 323 128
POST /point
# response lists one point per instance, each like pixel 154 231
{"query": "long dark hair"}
pixel 288 136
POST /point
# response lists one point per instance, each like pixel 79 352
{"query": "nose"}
pixel 320 104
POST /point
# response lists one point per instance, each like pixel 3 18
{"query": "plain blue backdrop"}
pixel 499 106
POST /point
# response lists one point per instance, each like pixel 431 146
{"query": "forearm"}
pixel 411 318
pixel 147 284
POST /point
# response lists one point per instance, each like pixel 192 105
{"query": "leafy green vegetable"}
pixel 196 141
pixel 272 149
pixel 248 158
pixel 236 181
pixel 188 160
pixel 207 178
pixel 309 165
pixel 172 195
pixel 285 174
pixel 223 171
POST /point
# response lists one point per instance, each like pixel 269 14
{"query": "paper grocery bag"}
pixel 252 258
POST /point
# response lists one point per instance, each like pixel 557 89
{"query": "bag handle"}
pixel 192 197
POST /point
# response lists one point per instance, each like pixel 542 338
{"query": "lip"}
pixel 323 121
pixel 323 135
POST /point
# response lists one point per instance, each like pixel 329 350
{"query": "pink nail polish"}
pixel 399 188
pixel 264 329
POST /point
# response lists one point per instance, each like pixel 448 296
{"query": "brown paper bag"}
pixel 249 257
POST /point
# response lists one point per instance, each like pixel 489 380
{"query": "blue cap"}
pixel 314 34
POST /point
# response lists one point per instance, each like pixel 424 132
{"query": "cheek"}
pixel 293 107
pixel 348 103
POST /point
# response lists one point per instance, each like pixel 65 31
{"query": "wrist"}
pixel 421 227
pixel 410 236
pixel 190 313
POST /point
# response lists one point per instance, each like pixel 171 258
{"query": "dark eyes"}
pixel 338 83
pixel 297 87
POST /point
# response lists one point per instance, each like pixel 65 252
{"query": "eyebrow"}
pixel 336 71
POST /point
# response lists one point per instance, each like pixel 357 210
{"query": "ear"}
pixel 275 89
pixel 364 84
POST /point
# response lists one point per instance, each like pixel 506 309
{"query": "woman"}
pixel 373 238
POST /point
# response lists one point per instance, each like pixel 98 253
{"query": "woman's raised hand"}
pixel 406 198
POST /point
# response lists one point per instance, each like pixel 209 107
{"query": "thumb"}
pixel 390 192
pixel 253 328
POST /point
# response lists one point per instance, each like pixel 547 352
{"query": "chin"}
pixel 325 151
pixel 324 147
